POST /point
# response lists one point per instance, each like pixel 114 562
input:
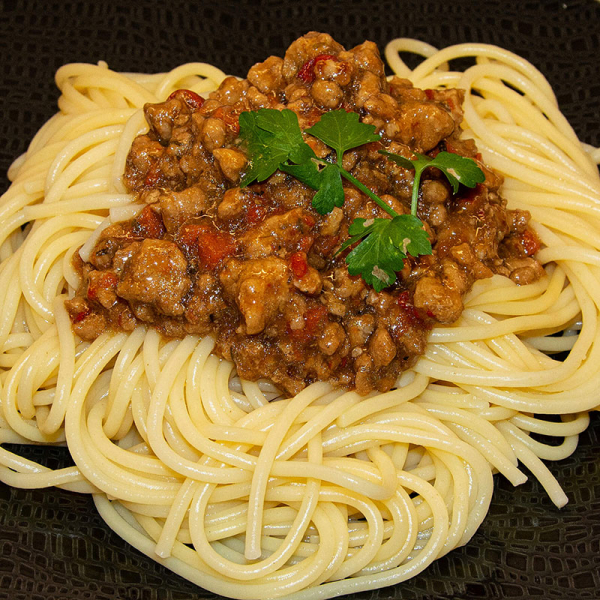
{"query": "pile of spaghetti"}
pixel 336 492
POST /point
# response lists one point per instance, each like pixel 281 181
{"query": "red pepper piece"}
pixel 215 246
pixel 309 221
pixel 305 243
pixel 193 100
pixel 314 319
pixel 450 148
pixel 473 193
pixel 307 70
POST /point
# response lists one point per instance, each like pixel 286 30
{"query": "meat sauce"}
pixel 257 267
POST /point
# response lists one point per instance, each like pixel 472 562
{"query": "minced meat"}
pixel 257 267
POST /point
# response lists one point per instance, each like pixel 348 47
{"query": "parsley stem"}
pixel 363 188
pixel 415 192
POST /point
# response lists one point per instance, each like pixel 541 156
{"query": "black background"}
pixel 52 543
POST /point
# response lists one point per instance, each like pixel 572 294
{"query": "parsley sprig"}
pixel 274 141
pixel 456 168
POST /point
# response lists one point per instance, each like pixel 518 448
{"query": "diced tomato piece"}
pixel 530 242
pixel 207 243
pixel 313 317
pixel 305 243
pixel 81 315
pixel 213 247
pixel 430 94
pixel 298 264
pixel 307 70
pixel 148 224
pixel 256 213
pixel 193 100
pixel 405 303
pixel 152 176
pixel 107 281
pixel 309 220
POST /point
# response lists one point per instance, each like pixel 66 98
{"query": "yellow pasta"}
pixel 327 493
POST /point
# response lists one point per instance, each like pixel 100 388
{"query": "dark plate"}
pixel 52 543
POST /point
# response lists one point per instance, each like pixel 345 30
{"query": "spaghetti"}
pixel 325 493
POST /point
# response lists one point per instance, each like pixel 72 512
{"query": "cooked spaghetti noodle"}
pixel 325 493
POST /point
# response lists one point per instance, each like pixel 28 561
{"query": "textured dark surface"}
pixel 52 544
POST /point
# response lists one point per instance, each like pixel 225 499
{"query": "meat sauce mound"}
pixel 257 267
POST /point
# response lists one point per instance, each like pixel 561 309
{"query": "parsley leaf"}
pixel 272 137
pixel 385 244
pixel 331 191
pixel 343 131
pixel 457 169
pixel 323 177
pixel 274 141
pixel 309 172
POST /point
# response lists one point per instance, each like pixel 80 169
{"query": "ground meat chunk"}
pixel 423 125
pixel 359 328
pixel 260 288
pixel 279 234
pixel 162 118
pixel 101 287
pixel 327 94
pixel 213 133
pixel 367 57
pixel 177 207
pixel 303 49
pixel 156 275
pixel 381 347
pixel 369 87
pixel 113 238
pixel 524 270
pixel 231 162
pixel 205 305
pixel 267 75
pixel 332 338
pixel 142 157
pixel 443 303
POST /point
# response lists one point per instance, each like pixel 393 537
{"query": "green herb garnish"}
pixel 274 141
pixel 456 168
pixel 385 244
pixel 273 137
